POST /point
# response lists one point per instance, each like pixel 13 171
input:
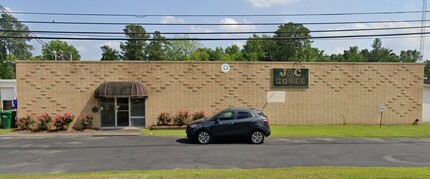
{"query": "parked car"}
pixel 231 123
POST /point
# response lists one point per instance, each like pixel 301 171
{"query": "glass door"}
pixel 107 110
pixel 122 106
pixel 137 115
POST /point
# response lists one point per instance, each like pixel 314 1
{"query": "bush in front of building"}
pixel 24 123
pixel 61 122
pixel 164 119
pixel 198 115
pixel 86 121
pixel 44 121
pixel 181 118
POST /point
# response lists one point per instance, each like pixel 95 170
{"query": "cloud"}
pixel 112 44
pixel 268 3
pixel 234 27
pixel 171 19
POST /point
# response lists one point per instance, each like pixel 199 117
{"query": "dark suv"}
pixel 232 123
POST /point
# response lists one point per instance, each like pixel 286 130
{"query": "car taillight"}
pixel 266 121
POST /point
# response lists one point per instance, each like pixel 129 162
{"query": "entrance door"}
pixel 122 112
pixel 107 112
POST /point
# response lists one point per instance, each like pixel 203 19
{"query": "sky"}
pixel 90 50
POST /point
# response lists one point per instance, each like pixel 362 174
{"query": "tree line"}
pixel 294 46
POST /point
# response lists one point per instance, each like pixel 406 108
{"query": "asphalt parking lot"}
pixel 85 154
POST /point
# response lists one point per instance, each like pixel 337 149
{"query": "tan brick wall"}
pixel 338 92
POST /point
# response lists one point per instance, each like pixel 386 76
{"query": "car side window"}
pixel 243 115
pixel 226 116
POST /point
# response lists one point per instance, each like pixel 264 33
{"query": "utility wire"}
pixel 218 15
pixel 227 39
pixel 221 32
pixel 209 24
pixel 4 10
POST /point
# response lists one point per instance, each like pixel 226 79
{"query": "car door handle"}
pixel 231 123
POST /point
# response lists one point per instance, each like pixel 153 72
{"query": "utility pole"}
pixel 423 29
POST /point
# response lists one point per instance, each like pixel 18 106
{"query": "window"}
pixel 262 114
pixel 243 115
pixel 226 116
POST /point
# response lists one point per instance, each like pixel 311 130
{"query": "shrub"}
pixel 181 118
pixel 24 123
pixel 61 122
pixel 44 121
pixel 164 118
pixel 198 115
pixel 86 121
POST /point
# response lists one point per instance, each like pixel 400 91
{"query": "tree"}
pixel 156 48
pixel 259 50
pixel 291 49
pixel 18 47
pixel 381 54
pixel 215 55
pixel 234 52
pixel 134 48
pixel 410 56
pixel 201 54
pixel 59 50
pixel 180 50
pixel 427 69
pixel 253 49
pixel 109 53
pixel 12 49
pixel 353 55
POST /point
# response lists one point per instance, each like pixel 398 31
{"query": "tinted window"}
pixel 226 116
pixel 243 115
pixel 262 114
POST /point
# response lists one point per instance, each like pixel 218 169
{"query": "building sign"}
pixel 290 77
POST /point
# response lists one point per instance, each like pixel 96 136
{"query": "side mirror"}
pixel 217 121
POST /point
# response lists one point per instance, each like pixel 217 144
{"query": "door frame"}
pixel 116 116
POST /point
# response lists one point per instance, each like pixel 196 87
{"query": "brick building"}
pixel 328 93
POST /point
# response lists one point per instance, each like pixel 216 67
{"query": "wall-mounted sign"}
pixel 225 68
pixel 293 77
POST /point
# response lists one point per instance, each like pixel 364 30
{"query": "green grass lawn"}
pixel 295 172
pixel 419 131
pixel 5 131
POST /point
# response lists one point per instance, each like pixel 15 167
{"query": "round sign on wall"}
pixel 225 68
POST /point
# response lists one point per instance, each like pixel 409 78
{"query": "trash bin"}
pixel 6 119
pixel 13 119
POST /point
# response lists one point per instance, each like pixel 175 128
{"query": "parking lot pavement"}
pixel 85 154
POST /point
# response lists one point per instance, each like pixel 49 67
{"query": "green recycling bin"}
pixel 6 119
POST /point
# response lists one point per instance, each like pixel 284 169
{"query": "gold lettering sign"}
pixel 294 77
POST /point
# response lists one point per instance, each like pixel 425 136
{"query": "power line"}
pixel 218 15
pixel 4 10
pixel 209 24
pixel 221 32
pixel 227 39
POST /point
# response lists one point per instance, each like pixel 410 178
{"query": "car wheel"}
pixel 204 137
pixel 257 137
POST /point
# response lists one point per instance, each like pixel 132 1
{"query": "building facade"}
pixel 289 93
pixel 7 93
pixel 426 101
